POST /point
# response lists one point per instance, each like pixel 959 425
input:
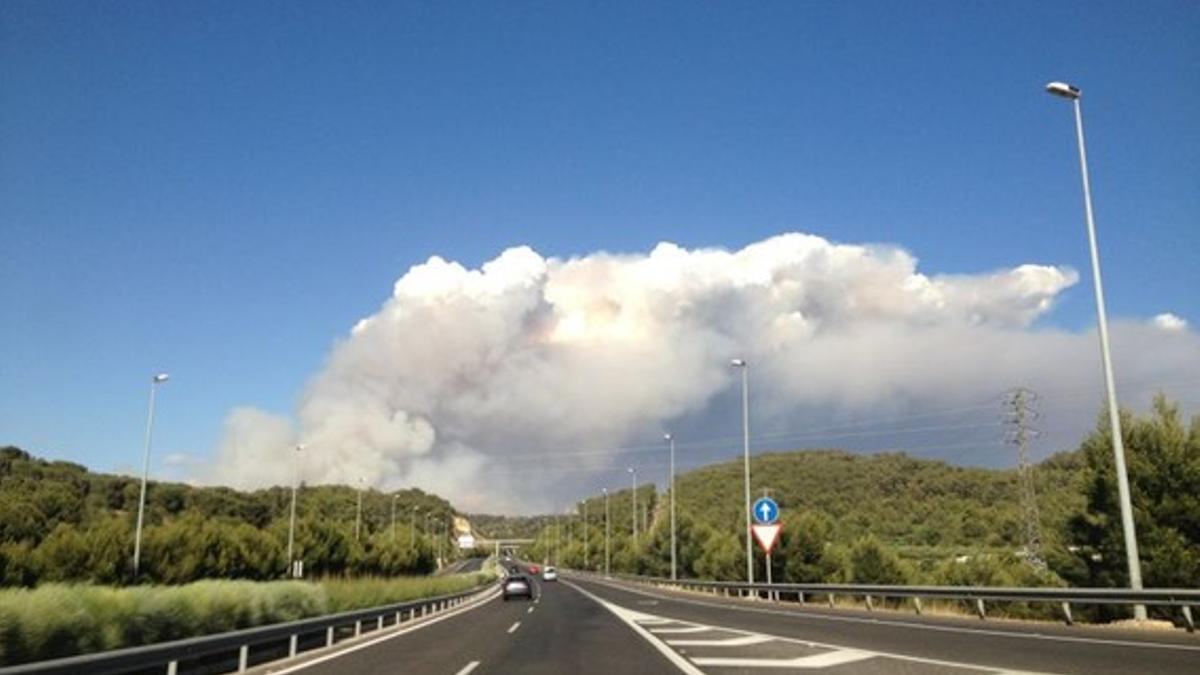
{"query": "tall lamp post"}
pixel 1131 549
pixel 292 518
pixel 394 498
pixel 358 511
pixel 633 480
pixel 671 440
pixel 412 532
pixel 607 532
pixel 137 537
pixel 585 534
pixel 744 367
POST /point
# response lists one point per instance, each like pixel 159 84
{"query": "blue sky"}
pixel 222 189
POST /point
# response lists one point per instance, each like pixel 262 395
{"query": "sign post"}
pixel 766 529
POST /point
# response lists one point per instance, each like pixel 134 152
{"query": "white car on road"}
pixel 550 574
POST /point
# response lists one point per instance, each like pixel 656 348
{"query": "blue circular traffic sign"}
pixel 765 510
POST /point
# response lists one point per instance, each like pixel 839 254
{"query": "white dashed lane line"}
pixel 468 668
pixel 513 628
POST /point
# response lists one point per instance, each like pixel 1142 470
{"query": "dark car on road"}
pixel 518 586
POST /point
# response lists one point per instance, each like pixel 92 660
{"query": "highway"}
pixel 589 625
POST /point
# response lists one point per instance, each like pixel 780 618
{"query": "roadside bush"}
pixel 56 620
pixel 1004 570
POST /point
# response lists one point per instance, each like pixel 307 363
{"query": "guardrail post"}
pixel 1187 619
pixel 1066 610
pixel 172 667
pixel 379 623
pixel 358 628
pixel 329 636
pixel 917 603
pixel 800 597
pixel 979 608
pixel 398 615
pixel 830 601
pixel 870 605
pixel 243 657
pixel 293 643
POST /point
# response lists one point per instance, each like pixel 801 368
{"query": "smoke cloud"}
pixel 490 386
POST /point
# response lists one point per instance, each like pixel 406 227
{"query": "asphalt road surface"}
pixel 463 566
pixel 587 625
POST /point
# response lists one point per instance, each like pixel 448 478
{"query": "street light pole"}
pixel 1131 548
pixel 358 512
pixel 292 517
pixel 137 537
pixel 741 363
pixel 633 478
pixel 607 532
pixel 585 535
pixel 671 439
pixel 412 532
pixel 394 498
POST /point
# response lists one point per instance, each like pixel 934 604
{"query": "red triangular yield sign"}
pixel 766 535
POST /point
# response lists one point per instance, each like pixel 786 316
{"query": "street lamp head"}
pixel 667 436
pixel 1064 90
pixel 161 377
pixel 738 363
pixel 630 469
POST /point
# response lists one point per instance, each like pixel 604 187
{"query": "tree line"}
pixel 60 522
pixel 894 519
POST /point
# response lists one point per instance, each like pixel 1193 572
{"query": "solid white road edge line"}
pixel 513 628
pixel 908 624
pixel 468 668
pixel 403 631
pixel 628 618
pixel 826 645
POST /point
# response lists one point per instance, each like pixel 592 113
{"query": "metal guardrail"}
pixel 169 655
pixel 1181 598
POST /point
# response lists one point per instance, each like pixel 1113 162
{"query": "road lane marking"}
pixel 826 660
pixel 688 629
pixel 905 624
pixel 810 643
pixel 529 611
pixel 514 627
pixel 468 668
pixel 743 641
pixel 403 631
pixel 630 618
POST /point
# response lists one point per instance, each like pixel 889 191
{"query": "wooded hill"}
pixel 892 518
pixel 59 522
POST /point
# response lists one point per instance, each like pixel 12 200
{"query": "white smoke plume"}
pixel 463 374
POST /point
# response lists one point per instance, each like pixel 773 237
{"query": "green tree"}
pixel 1163 460
pixel 873 563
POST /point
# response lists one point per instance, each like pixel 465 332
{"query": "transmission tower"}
pixel 1020 413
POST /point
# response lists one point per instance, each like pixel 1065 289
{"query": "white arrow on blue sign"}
pixel 765 510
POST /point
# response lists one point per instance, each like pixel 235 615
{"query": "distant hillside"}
pixel 892 518
pixel 902 500
pixel 60 521
pixel 914 515
pixel 508 527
